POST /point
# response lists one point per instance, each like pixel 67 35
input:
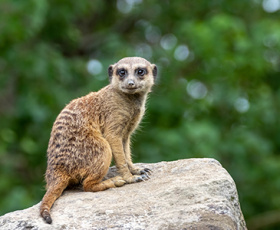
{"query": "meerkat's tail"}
pixel 46 216
pixel 53 192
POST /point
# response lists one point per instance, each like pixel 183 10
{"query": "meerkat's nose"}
pixel 131 83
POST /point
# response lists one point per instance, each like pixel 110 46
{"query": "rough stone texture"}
pixel 184 194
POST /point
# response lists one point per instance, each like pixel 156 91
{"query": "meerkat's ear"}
pixel 154 68
pixel 110 72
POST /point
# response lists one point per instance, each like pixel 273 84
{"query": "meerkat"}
pixel 92 129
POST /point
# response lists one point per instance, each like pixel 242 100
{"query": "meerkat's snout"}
pixel 130 84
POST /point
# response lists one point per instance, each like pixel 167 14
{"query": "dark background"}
pixel 217 94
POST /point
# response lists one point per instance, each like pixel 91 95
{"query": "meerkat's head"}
pixel 133 75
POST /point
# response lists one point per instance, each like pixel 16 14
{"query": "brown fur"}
pixel 92 129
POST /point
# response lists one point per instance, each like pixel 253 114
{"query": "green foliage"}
pixel 217 93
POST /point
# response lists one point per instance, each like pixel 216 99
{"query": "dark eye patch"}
pixel 141 71
pixel 122 72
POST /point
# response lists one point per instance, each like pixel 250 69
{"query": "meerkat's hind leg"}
pixel 90 184
pixel 118 181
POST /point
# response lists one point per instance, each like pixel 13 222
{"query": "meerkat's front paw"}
pixel 138 171
pixel 136 178
pixel 146 171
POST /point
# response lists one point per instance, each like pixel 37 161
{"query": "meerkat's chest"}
pixel 130 119
pixel 121 115
pixel 136 117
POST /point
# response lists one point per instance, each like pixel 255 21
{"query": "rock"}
pixel 183 194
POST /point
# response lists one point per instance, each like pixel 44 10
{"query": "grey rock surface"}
pixel 184 194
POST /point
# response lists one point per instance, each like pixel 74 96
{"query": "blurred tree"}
pixel 217 93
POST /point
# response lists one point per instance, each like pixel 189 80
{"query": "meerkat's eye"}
pixel 141 72
pixel 122 73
